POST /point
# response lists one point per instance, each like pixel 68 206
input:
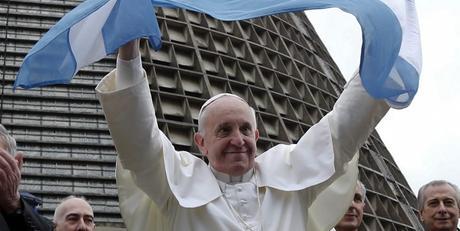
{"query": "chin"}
pixel 444 226
pixel 239 170
pixel 348 225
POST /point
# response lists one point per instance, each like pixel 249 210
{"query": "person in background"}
pixel 438 203
pixel 352 219
pixel 74 214
pixel 18 209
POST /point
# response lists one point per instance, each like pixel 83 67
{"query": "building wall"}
pixel 278 64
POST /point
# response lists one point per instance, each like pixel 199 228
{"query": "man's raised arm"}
pixel 352 120
pixel 127 103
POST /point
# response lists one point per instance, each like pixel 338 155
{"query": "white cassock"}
pixel 164 189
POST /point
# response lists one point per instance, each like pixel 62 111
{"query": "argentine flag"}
pixel 390 55
pixel 85 35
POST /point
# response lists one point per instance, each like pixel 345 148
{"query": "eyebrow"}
pixel 441 198
pixel 88 216
pixel 222 125
pixel 78 214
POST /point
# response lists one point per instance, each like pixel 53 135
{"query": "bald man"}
pixel 74 214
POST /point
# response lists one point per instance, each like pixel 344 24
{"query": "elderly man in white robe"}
pixel 164 189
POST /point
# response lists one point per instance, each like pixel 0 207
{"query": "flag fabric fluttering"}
pixel 390 54
pixel 404 76
pixel 88 33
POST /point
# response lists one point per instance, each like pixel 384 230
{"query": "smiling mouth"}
pixel 237 155
pixel 442 219
pixel 237 152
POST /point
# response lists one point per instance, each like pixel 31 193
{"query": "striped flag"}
pixel 404 76
pixel 390 55
pixel 391 52
pixel 88 33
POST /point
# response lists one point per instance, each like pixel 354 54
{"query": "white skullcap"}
pixel 214 98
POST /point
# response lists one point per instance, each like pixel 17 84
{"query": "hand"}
pixel 129 51
pixel 10 177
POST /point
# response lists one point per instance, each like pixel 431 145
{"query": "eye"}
pixel 449 203
pixel 223 131
pixel 89 220
pixel 73 218
pixel 358 198
pixel 246 129
pixel 433 203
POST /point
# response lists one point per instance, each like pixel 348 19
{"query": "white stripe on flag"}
pixel 85 37
pixel 407 16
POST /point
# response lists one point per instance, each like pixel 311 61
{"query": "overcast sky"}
pixel 424 138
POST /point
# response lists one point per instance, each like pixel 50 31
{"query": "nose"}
pixel 352 206
pixel 82 226
pixel 442 208
pixel 237 138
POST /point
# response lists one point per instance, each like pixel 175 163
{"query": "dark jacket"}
pixel 26 220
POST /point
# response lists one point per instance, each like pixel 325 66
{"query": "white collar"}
pixel 232 179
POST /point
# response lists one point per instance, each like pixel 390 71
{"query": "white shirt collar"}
pixel 232 179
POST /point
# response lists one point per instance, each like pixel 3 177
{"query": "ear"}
pixel 199 141
pixel 421 215
pixel 256 134
pixel 19 157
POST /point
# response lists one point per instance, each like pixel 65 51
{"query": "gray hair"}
pixel 202 116
pixel 362 188
pixel 421 192
pixel 7 140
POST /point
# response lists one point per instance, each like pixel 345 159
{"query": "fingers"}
pixel 10 177
pixel 10 169
pixel 20 159
pixel 8 163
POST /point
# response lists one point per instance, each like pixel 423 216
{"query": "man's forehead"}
pixel 77 206
pixel 440 191
pixel 217 98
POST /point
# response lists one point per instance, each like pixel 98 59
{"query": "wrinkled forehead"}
pixel 440 191
pixel 215 98
pixel 77 206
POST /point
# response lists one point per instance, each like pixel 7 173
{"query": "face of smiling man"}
pixel 352 219
pixel 440 210
pixel 229 136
